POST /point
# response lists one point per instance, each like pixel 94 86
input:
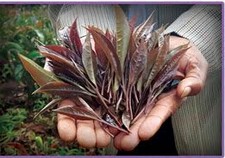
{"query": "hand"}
pixel 193 67
pixel 87 133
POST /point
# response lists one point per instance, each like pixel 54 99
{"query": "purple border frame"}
pixel 113 2
pixel 145 2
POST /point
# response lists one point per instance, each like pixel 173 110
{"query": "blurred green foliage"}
pixel 22 27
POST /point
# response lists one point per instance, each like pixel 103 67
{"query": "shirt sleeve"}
pixel 197 124
pixel 99 15
pixel 202 25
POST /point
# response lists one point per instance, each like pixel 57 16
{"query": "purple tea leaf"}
pixel 75 39
pixel 62 89
pixel 126 119
pixel 108 49
pixel 76 112
pixel 48 106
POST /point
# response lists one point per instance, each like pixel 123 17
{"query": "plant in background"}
pixel 116 82
pixel 12 119
pixel 22 26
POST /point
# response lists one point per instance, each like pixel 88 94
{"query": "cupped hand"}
pixel 87 133
pixel 193 68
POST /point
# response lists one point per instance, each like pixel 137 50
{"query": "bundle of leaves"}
pixel 115 79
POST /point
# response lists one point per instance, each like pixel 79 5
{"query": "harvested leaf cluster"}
pixel 114 79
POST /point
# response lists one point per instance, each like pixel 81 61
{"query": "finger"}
pixel 162 110
pixel 86 136
pixel 195 70
pixel 166 94
pixel 189 86
pixel 102 138
pixel 129 141
pixel 113 130
pixel 66 125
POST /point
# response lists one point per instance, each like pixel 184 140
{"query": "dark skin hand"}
pixel 192 67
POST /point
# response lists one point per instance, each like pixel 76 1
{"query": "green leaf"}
pixel 39 74
pixel 122 35
pixel 40 35
pixel 39 142
pixel 13 46
pixel 34 54
pixel 88 60
pixel 18 72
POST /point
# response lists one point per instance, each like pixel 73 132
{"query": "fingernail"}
pixel 186 91
pixel 184 99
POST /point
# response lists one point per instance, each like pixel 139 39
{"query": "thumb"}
pixel 189 86
pixel 194 80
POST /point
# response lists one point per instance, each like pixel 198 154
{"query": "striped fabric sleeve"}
pixel 53 11
pixel 101 16
pixel 197 124
pixel 202 25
